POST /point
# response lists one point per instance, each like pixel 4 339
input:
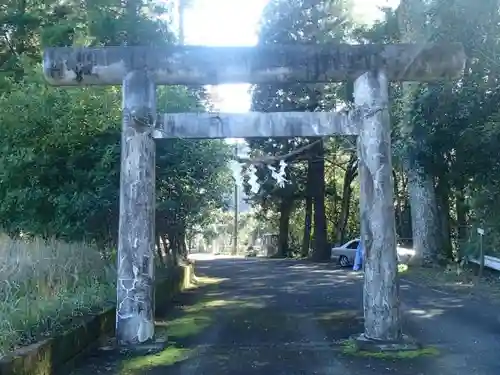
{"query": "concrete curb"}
pixel 62 351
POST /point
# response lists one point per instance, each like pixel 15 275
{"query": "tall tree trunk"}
pixel 424 216
pixel 321 250
pixel 285 211
pixel 167 249
pixel 461 208
pixel 397 208
pixel 174 246
pixel 189 241
pixel 159 251
pixel 349 176
pixel 406 230
pixel 443 199
pixel 411 21
pixel 306 240
pixel 183 251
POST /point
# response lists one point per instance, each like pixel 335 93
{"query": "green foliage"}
pixel 455 121
pixel 60 154
pixel 60 160
pixel 60 172
pixel 60 163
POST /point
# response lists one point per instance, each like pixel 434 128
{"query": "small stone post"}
pixel 135 284
pixel 378 234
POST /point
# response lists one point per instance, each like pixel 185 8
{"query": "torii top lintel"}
pixel 200 65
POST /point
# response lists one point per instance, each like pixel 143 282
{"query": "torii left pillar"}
pixel 135 259
pixel 135 281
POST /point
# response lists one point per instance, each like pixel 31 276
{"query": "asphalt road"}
pixel 288 317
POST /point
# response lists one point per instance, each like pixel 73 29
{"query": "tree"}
pixel 60 153
pixel 420 182
pixel 444 117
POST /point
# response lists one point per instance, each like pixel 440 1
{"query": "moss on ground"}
pixel 350 347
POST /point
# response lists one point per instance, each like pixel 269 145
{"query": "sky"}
pixel 234 23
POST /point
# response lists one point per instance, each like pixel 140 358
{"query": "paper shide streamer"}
pixel 277 173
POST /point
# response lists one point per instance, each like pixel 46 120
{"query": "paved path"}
pixel 289 317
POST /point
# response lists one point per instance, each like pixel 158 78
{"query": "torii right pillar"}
pixel 381 302
pixel 378 233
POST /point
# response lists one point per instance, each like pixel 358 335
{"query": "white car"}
pixel 346 254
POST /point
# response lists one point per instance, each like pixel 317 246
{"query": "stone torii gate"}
pixel 140 69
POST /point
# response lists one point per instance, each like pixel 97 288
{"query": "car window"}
pixel 353 245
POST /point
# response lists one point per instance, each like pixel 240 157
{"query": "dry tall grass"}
pixel 43 285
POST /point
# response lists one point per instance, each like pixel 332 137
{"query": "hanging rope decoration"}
pixel 238 164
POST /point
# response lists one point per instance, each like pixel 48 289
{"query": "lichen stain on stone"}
pixel 280 72
pixel 135 316
pixel 133 158
pixel 58 71
pixel 180 74
pixel 146 330
pixel 111 72
pixel 349 60
pixel 81 67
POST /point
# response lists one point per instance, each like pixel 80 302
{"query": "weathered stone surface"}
pixel 135 298
pixel 255 125
pixel 193 65
pixel 378 233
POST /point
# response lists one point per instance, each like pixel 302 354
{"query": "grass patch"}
pixel 167 357
pixel 45 285
pixel 187 326
pixel 349 347
pixel 200 316
pixel 197 317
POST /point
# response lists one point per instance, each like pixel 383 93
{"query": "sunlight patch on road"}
pixel 426 314
pixel 299 267
pixel 402 268
pixel 340 315
pixel 167 357
pixel 187 326
pixel 205 280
